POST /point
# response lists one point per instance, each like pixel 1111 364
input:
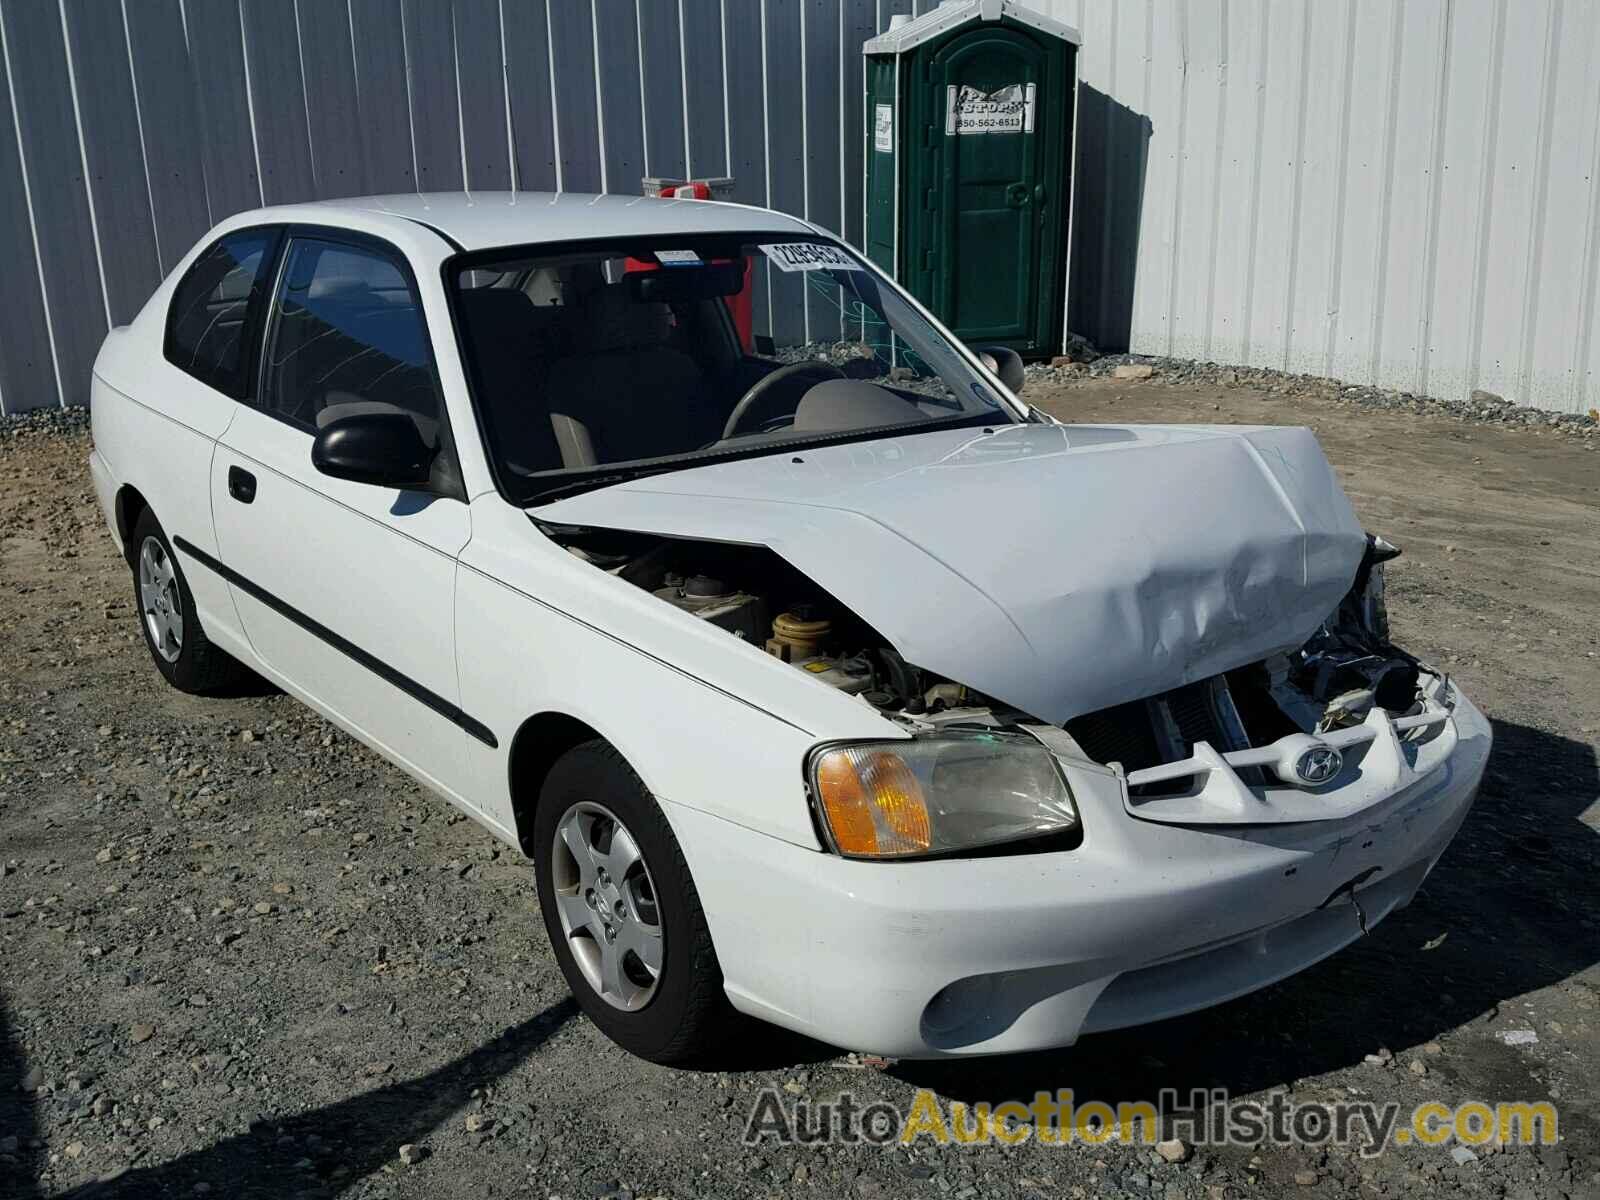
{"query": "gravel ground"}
pixel 239 955
pixel 1084 361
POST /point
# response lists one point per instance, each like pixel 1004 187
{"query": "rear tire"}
pixel 595 813
pixel 165 607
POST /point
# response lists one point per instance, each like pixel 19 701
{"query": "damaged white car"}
pixel 830 682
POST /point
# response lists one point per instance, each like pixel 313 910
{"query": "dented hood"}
pixel 1058 568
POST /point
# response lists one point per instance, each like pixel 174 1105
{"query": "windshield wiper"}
pixel 573 486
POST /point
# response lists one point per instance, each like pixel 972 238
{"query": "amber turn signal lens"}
pixel 873 802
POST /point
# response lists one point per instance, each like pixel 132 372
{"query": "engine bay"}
pixel 759 598
pixel 1333 681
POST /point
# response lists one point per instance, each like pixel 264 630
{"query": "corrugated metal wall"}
pixel 130 126
pixel 1392 191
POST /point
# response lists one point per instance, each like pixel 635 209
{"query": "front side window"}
pixel 600 360
pixel 211 309
pixel 347 337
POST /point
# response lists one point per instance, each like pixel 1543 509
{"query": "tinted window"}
pixel 211 307
pixel 347 337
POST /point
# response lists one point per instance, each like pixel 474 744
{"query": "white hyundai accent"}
pixel 829 681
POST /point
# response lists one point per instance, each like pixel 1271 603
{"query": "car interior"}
pixel 207 324
pixel 589 360
pixel 347 340
pixel 594 375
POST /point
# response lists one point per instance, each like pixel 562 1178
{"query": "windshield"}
pixel 598 361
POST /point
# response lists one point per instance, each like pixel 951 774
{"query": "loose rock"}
pixel 1174 1150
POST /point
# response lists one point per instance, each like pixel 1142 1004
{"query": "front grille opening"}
pixel 1165 728
pixel 1124 734
pixel 1251 690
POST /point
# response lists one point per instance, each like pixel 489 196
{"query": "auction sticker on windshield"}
pixel 809 256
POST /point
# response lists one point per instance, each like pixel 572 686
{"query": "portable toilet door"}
pixel 970 112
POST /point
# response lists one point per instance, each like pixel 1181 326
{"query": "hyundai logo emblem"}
pixel 1318 764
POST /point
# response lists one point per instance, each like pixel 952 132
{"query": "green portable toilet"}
pixel 969 120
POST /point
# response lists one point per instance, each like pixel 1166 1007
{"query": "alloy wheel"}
pixel 159 602
pixel 606 901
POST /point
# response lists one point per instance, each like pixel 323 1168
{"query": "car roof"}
pixel 485 220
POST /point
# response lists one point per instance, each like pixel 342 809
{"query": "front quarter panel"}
pixel 708 723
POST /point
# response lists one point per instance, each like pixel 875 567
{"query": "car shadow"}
pixel 274 1159
pixel 18 1168
pixel 753 1045
pixel 1510 899
pixel 249 686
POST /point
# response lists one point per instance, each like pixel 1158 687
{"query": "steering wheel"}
pixel 767 382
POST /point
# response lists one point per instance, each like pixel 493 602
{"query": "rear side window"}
pixel 347 337
pixel 209 322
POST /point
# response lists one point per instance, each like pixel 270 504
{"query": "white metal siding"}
pixel 1390 192
pixel 1399 192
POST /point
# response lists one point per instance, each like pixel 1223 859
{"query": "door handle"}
pixel 241 485
pixel 1017 195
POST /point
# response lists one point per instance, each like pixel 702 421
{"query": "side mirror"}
pixel 385 449
pixel 1005 363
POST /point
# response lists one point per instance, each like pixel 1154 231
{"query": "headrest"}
pixel 508 318
pixel 614 320
pixel 496 311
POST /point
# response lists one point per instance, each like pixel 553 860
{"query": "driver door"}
pixel 346 590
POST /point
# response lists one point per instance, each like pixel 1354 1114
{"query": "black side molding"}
pixel 346 647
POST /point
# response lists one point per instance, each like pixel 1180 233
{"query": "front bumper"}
pixel 1145 920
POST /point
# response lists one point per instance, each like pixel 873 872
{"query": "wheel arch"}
pixel 537 745
pixel 130 504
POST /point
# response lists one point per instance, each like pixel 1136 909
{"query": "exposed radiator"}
pixel 1163 728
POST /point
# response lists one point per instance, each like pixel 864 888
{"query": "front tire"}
pixel 178 646
pixel 622 912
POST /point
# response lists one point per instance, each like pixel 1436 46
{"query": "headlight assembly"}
pixel 934 795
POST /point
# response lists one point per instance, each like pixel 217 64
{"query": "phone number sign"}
pixel 1007 109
